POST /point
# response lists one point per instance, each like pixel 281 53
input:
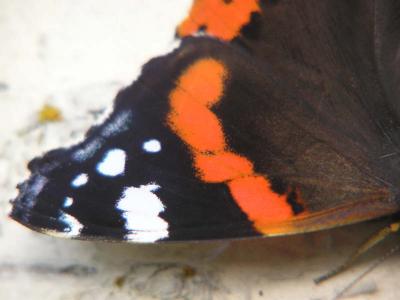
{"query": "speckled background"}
pixel 75 55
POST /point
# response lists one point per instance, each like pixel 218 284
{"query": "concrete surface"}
pixel 76 55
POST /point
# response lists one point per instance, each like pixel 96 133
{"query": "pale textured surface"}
pixel 76 55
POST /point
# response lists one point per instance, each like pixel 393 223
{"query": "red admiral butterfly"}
pixel 271 118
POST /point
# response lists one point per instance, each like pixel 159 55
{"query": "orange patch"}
pixel 195 124
pixel 222 167
pixel 204 81
pixel 223 19
pixel 254 196
pixel 198 88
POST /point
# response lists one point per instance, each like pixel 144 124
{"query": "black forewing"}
pixel 311 100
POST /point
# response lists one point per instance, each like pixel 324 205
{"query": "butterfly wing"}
pixel 220 140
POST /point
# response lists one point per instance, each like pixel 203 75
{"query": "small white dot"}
pixel 68 201
pixel 74 226
pixel 80 180
pixel 113 163
pixel 152 146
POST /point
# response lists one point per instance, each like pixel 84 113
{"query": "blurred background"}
pixel 72 57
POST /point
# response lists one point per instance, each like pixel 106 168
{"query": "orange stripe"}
pixel 254 194
pixel 222 166
pixel 196 124
pixel 207 85
pixel 222 19
pixel 197 89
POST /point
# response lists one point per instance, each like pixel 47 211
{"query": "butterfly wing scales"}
pixel 304 105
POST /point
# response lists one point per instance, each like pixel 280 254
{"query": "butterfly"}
pixel 270 118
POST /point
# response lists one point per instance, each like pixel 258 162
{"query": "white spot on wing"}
pixel 140 208
pixel 80 180
pixel 146 236
pixel 141 200
pixel 137 222
pixel 113 163
pixel 68 201
pixel 152 146
pixel 74 226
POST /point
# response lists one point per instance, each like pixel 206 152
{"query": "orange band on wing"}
pixel 254 196
pixel 196 124
pixel 197 89
pixel 221 167
pixel 220 18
